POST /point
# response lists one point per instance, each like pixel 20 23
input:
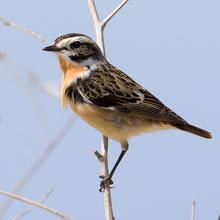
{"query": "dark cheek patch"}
pixel 80 57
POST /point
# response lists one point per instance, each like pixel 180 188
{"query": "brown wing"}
pixel 113 89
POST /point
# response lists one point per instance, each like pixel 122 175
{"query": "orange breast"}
pixel 70 73
pixel 70 70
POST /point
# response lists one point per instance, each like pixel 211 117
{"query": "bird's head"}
pixel 76 48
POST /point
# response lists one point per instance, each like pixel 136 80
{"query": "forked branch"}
pixel 36 204
pixel 29 210
pixel 103 156
pixel 109 17
pixel 100 25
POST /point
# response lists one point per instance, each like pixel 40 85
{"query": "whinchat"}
pixel 107 98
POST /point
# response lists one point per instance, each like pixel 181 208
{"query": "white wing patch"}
pixel 141 95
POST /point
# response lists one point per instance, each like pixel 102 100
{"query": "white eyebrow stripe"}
pixel 66 41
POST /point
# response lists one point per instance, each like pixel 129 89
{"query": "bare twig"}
pixel 48 88
pixel 23 29
pixel 104 171
pixel 29 210
pixel 99 156
pixel 99 29
pixel 37 164
pixel 98 25
pixel 193 210
pixel 94 12
pixel 15 74
pixel 36 204
pixel 2 56
pixel 51 146
pixel 109 17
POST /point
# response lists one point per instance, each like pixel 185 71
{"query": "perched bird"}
pixel 107 98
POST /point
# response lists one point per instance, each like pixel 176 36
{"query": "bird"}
pixel 108 99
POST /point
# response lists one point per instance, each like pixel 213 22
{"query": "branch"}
pixel 27 87
pixel 193 210
pixel 29 210
pixel 104 172
pixel 23 29
pixel 51 146
pixel 37 165
pixel 103 156
pixel 109 17
pixel 36 204
pixel 94 12
pixel 48 88
pixel 2 56
pixel 98 25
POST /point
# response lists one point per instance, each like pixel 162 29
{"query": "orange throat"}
pixel 70 73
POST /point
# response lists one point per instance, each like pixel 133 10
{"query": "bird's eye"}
pixel 75 44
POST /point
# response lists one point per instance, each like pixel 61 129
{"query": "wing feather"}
pixel 113 89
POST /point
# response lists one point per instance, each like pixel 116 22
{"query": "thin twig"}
pixel 51 146
pixel 29 210
pixel 37 164
pixel 99 29
pixel 48 88
pixel 99 156
pixel 193 210
pixel 94 12
pixel 2 56
pixel 36 204
pixel 109 17
pixel 15 74
pixel 23 29
pixel 98 25
pixel 104 171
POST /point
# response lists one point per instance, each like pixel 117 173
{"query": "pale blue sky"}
pixel 170 47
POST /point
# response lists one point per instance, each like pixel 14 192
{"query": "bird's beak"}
pixel 52 48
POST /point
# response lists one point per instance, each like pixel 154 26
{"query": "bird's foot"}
pixel 105 182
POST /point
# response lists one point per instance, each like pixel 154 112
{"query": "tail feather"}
pixel 194 130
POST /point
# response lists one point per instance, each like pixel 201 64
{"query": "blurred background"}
pixel 172 49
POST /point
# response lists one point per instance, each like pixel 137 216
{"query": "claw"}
pixel 102 176
pixel 107 181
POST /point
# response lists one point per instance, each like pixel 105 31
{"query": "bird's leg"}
pixel 107 180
